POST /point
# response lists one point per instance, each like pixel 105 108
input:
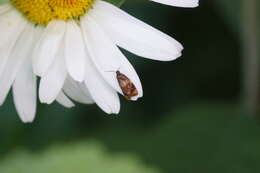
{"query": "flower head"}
pixel 72 46
pixel 44 11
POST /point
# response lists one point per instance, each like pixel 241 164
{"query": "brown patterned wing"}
pixel 126 85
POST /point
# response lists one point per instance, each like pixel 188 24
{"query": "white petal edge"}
pixel 64 100
pixel 12 25
pixel 179 3
pixel 16 59
pixel 46 48
pixel 74 51
pixel 103 95
pixel 77 91
pixel 110 59
pixel 52 82
pixel 25 93
pixel 135 35
pixel 4 8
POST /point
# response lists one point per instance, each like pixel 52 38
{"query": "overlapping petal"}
pixel 110 59
pixel 25 92
pixel 46 48
pixel 64 100
pixel 52 82
pixel 179 3
pixel 77 91
pixel 15 60
pixel 135 35
pixel 74 51
pixel 11 26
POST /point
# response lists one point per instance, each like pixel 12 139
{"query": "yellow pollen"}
pixel 43 11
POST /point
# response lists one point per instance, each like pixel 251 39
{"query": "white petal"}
pixel 47 47
pixel 74 51
pixel 77 91
pixel 64 100
pixel 134 35
pixel 103 53
pixel 110 59
pixel 52 82
pixel 39 31
pixel 11 26
pixel 9 22
pixel 179 3
pixel 25 93
pixel 103 95
pixel 14 62
pixel 4 8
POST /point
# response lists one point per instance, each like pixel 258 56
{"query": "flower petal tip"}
pixel 45 100
pixel 27 120
pixel 135 98
pixel 179 3
pixel 71 106
pixel 78 78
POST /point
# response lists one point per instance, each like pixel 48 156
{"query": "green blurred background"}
pixel 191 118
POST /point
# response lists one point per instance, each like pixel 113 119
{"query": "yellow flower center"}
pixel 43 11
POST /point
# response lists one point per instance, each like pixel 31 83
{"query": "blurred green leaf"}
pixel 199 138
pixel 81 158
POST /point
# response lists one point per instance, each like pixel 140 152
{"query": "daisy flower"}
pixel 179 3
pixel 73 47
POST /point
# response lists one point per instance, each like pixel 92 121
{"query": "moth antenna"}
pixel 110 71
pixel 113 70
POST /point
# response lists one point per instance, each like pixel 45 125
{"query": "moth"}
pixel 126 85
